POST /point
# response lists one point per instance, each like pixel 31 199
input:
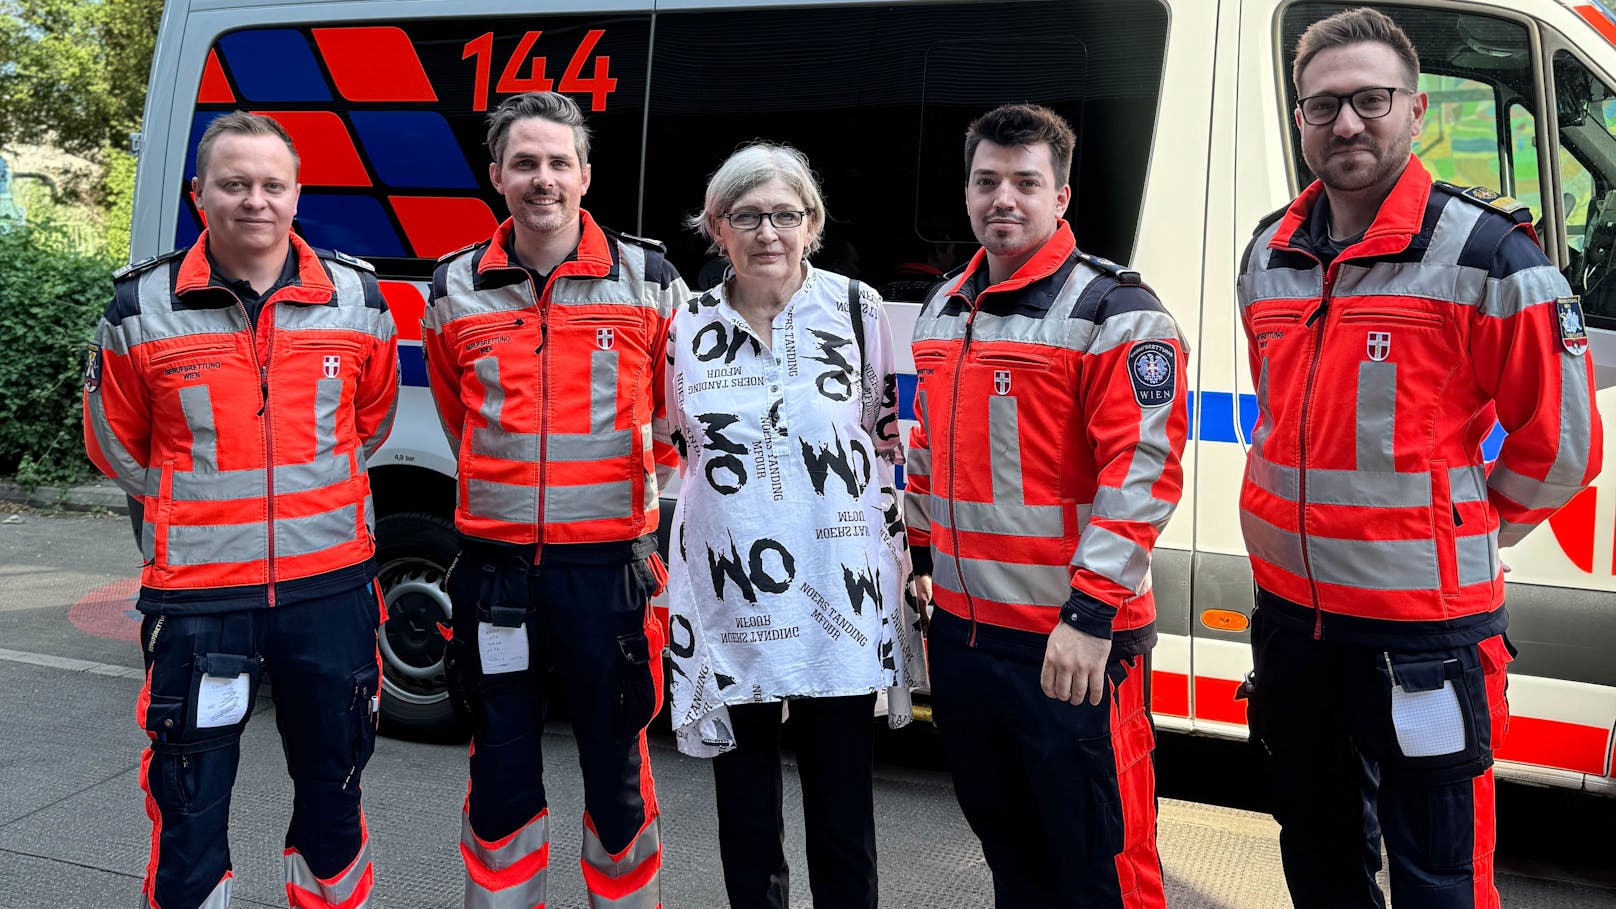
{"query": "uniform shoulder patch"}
pixel 643 242
pixel 1481 195
pixel 1101 263
pixel 462 251
pixel 146 263
pixel 1573 328
pixel 1152 366
pixel 345 259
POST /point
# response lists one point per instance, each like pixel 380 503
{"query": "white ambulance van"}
pixel 1182 109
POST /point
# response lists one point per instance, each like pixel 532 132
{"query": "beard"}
pixel 1350 174
pixel 548 218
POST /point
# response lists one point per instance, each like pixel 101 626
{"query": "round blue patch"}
pixel 1151 366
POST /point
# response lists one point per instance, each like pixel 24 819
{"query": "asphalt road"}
pixel 73 832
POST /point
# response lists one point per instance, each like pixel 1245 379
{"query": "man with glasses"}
pixel 546 349
pixel 1044 467
pixel 1389 321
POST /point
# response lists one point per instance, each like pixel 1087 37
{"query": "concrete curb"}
pixel 99 496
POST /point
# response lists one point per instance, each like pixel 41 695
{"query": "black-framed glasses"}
pixel 752 220
pixel 1367 103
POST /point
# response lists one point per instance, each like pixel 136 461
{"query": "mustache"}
pixel 1355 142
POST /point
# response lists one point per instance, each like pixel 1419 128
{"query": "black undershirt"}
pixel 252 300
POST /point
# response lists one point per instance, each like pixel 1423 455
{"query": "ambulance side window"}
pixel 1586 108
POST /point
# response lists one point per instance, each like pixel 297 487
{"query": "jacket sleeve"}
pixel 671 293
pixel 1543 392
pixel 1136 423
pixel 442 367
pixel 917 484
pixel 117 410
pixel 376 398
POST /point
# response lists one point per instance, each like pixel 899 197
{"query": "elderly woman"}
pixel 788 554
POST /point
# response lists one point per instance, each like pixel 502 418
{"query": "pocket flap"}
pixel 226 665
pixel 1426 675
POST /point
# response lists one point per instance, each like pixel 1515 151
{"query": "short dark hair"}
pixel 1355 26
pixel 1015 125
pixel 241 123
pixel 552 106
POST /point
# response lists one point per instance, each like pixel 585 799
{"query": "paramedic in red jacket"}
pixel 546 351
pixel 1390 321
pixel 1046 462
pixel 236 390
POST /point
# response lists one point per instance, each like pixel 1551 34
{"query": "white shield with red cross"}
pixel 605 338
pixel 1001 381
pixel 333 366
pixel 1380 345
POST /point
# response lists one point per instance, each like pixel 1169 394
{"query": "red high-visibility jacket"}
pixel 246 450
pixel 1046 460
pixel 1365 495
pixel 548 397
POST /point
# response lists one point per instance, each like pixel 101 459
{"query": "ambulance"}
pixel 1183 113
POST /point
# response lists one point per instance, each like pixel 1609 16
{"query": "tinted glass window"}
pixel 879 98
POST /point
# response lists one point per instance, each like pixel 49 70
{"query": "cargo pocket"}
pixel 1495 654
pixel 224 687
pixel 362 714
pixel 637 695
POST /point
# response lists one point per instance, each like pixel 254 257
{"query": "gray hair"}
pixel 746 170
pixel 552 106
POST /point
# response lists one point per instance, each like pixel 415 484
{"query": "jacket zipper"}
pixel 544 409
pixel 953 437
pixel 264 415
pixel 1319 316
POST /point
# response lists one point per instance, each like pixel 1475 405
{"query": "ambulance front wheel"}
pixel 414 551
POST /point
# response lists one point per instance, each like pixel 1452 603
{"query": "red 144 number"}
pixel 511 80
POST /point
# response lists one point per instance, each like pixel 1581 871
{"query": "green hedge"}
pixel 50 297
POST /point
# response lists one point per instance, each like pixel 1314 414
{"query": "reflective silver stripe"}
pixel 508 446
pixel 1113 556
pixel 525 842
pixel 507 502
pixel 223 485
pixel 1526 492
pixel 1430 279
pixel 1453 229
pixel 369 506
pixel 458 277
pixel 1266 424
pixel 1467 484
pixel 1084 514
pixel 917 462
pixel 1513 294
pixel 645 846
pixel 384 427
pixel 566 446
pixel 999 517
pixel 327 400
pixel 1375 564
pixel 602 390
pixel 920 411
pixel 196 401
pixel 1377 416
pixel 1133 504
pixel 1005 582
pixel 490 438
pixel 1510 533
pixel 316 532
pixel 1004 450
pixel 148 537
pixel 917 510
pixel 340 890
pixel 588 502
pixel 1129 327
pixel 210 544
pixel 312 323
pixel 1361 488
pixel 1477 559
pixel 131 477
pixel 510 298
pixel 1271 544
pixel 1571 456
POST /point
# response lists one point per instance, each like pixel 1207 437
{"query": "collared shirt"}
pixel 252 300
pixel 786 574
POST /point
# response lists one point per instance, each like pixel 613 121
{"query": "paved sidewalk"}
pixel 102 495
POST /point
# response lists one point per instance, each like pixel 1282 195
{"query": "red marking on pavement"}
pixel 109 612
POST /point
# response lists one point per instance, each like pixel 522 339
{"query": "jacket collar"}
pixel 1395 225
pixel 311 286
pixel 595 257
pixel 973 281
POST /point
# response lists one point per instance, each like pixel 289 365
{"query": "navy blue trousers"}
pixel 321 660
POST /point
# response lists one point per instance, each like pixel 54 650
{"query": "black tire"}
pixel 413 553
